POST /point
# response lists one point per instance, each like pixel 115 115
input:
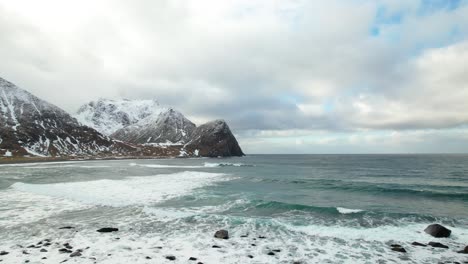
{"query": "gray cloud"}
pixel 261 65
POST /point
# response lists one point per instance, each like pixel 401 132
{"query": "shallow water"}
pixel 314 208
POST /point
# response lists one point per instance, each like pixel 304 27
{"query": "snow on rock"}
pixel 108 116
pixel 30 125
pixel 166 127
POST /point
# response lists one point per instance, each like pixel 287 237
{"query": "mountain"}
pixel 161 127
pixel 31 126
pixel 168 126
pixel 214 139
pixel 108 116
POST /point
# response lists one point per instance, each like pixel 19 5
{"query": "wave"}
pixel 396 190
pixel 214 165
pixel 129 191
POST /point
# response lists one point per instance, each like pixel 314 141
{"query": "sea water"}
pixel 301 208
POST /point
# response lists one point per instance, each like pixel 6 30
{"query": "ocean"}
pixel 276 208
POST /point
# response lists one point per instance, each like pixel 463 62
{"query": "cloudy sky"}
pixel 299 76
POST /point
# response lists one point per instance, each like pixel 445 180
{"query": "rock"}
pixel 222 234
pixel 253 245
pixel 244 236
pixel 214 139
pixel 31 246
pixel 44 258
pixel 437 230
pixel 395 245
pixel 66 227
pixel 464 251
pixel 108 230
pixel 270 253
pixel 46 244
pixel 418 244
pixel 276 250
pixel 3 253
pixel 250 256
pixel 262 237
pixel 43 250
pixel 171 257
pixel 147 257
pixel 215 246
pixel 399 249
pixel 437 245
pixel 25 252
pixel 67 245
pixel 200 263
pixel 75 254
pixel 192 259
pixel 65 250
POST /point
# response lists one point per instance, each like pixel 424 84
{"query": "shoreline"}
pixel 26 160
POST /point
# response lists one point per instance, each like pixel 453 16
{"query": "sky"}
pixel 299 76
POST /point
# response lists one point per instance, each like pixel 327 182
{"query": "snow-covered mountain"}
pixel 168 126
pixel 147 123
pixel 31 126
pixel 108 116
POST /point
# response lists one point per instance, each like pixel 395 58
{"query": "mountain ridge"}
pixel 30 126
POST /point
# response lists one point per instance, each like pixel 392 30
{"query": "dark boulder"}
pixel 66 227
pixel 399 249
pixel 437 245
pixel 437 230
pixel 3 253
pixel 418 244
pixel 271 253
pixel 170 257
pixel 65 250
pixel 75 254
pixel 222 234
pixel 192 259
pixel 108 230
pixel 464 251
pixel 214 139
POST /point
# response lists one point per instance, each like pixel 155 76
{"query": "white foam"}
pixel 343 210
pixel 212 165
pixel 162 166
pixel 129 191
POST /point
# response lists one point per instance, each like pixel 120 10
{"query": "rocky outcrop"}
pixel 214 139
pixel 437 230
pixel 169 126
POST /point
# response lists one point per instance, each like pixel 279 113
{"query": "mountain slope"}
pixel 31 126
pixel 214 139
pixel 169 127
pixel 108 116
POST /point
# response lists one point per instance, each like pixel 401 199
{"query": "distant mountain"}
pixel 31 126
pixel 168 126
pixel 161 127
pixel 108 116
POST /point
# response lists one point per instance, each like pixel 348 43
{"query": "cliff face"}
pixel 214 139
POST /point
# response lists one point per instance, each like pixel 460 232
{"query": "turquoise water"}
pixel 314 208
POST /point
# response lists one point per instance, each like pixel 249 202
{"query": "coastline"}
pixel 25 160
